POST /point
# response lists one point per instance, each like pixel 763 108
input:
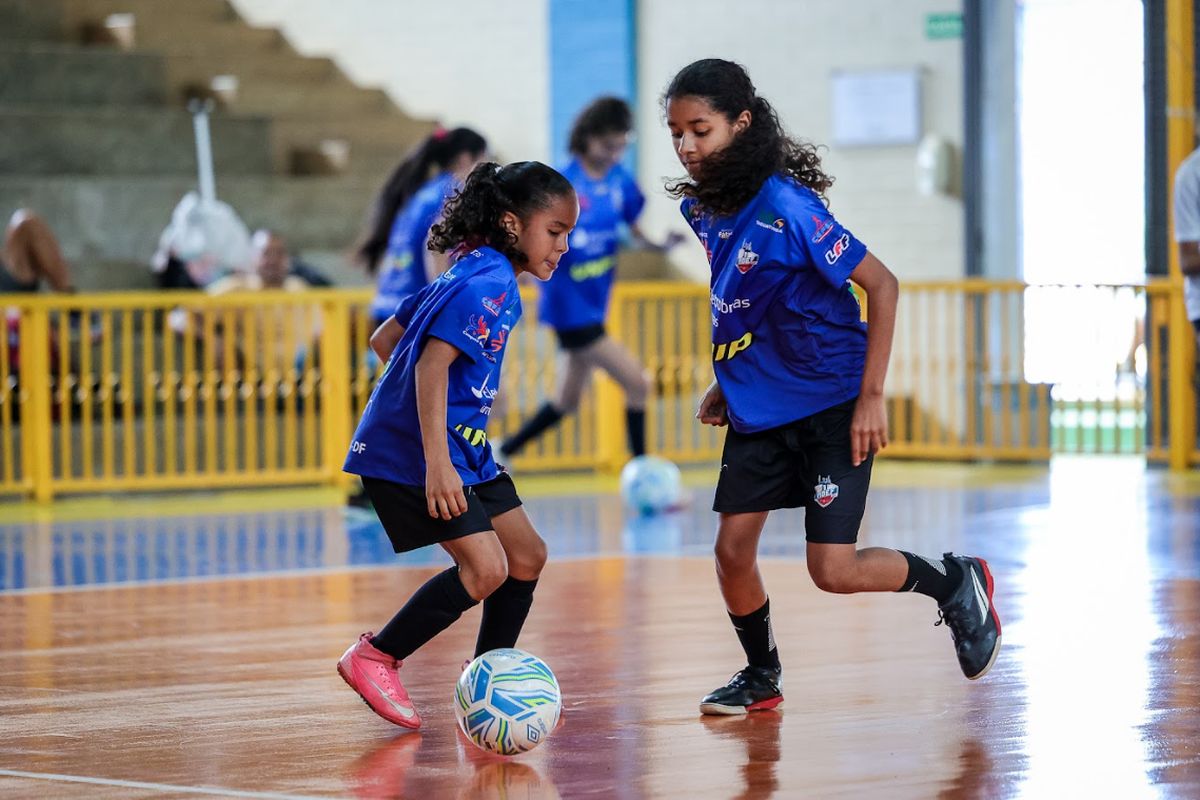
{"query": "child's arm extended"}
pixel 868 430
pixel 443 486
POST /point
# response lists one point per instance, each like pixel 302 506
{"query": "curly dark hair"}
pixel 471 218
pixel 601 116
pixel 438 150
pixel 730 178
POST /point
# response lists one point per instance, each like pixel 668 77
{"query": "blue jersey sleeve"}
pixel 408 306
pixel 632 199
pixel 812 230
pixel 469 316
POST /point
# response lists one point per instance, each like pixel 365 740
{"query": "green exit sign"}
pixel 943 26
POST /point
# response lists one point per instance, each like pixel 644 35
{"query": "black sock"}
pixel 504 613
pixel 758 640
pixel 934 578
pixel 432 608
pixel 635 425
pixel 546 417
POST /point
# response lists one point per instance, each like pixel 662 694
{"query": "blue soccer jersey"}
pixel 787 335
pixel 473 306
pixel 402 271
pixel 576 296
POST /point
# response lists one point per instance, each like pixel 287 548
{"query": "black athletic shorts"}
pixel 404 511
pixel 804 463
pixel 579 338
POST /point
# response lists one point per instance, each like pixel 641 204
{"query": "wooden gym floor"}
pixel 185 647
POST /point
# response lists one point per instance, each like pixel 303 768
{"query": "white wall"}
pixel 790 49
pixel 467 62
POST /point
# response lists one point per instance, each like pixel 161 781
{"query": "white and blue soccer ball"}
pixel 507 701
pixel 651 485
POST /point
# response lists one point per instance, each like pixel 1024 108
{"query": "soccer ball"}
pixel 507 701
pixel 650 485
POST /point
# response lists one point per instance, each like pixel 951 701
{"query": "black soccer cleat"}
pixel 751 689
pixel 971 616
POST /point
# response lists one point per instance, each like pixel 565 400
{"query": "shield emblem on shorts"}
pixel 826 491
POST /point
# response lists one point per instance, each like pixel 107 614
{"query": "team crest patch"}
pixel 746 258
pixel 826 491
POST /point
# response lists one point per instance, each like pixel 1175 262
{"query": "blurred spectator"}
pixel 31 254
pixel 275 336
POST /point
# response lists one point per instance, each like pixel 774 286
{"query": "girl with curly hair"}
pixel 421 446
pixel 799 376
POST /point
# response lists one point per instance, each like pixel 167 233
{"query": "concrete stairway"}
pixel 97 139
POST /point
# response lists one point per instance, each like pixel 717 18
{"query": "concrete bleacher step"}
pixel 198 67
pixel 377 142
pixel 110 220
pixel 77 12
pixel 52 74
pixel 131 141
pixel 321 99
pixel 31 21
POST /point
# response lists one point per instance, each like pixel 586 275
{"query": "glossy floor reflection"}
pixel 127 669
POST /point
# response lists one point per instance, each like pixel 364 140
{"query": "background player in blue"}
pixel 799 378
pixel 575 301
pixel 421 446
pixel 409 203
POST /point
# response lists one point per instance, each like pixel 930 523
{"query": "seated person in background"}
pixel 31 254
pixel 280 335
pixel 272 267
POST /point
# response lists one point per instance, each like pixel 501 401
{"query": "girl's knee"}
pixel 483 578
pixel 732 557
pixel 528 564
pixel 831 576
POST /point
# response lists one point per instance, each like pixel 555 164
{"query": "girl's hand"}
pixel 444 491
pixel 713 410
pixel 868 428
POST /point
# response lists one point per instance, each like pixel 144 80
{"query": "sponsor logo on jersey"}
pixel 477 329
pixel 768 220
pixel 494 304
pixel 839 247
pixel 727 350
pixel 821 229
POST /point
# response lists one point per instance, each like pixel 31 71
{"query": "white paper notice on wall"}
pixel 876 107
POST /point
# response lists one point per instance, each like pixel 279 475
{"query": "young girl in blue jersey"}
pixel 799 377
pixel 409 203
pixel 575 301
pixel 421 446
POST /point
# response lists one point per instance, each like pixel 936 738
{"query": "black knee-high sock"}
pixel 432 608
pixel 936 578
pixel 635 425
pixel 504 613
pixel 546 417
pixel 757 638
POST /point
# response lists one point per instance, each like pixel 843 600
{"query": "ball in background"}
pixel 651 485
pixel 507 701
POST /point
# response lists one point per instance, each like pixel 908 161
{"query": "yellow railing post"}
pixel 1181 140
pixel 36 444
pixel 610 402
pixel 1181 402
pixel 335 389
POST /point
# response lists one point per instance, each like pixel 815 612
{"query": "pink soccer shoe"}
pixel 375 676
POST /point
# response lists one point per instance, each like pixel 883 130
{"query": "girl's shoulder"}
pixel 784 188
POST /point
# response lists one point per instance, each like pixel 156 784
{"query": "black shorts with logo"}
pixel 804 463
pixel 404 511
pixel 579 338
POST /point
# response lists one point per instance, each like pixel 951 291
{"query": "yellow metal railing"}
pixel 143 391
